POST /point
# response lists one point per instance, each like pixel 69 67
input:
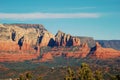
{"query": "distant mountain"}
pixel 20 42
pixel 110 44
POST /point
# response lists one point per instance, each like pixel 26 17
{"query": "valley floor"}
pixel 56 70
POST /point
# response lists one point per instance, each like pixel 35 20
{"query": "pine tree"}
pixel 85 72
pixel 70 75
pixel 28 76
pixel 98 75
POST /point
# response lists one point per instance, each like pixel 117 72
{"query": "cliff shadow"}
pixel 69 43
pixel 13 35
pixel 39 39
pixel 92 50
pixel 51 43
pixel 20 42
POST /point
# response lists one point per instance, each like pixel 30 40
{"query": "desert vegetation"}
pixel 51 71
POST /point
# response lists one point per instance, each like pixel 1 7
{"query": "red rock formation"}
pixel 17 43
pixel 13 46
pixel 63 39
pixel 46 57
pixel 85 50
pixel 105 53
pixel 8 46
pixel 9 51
pixel 16 57
pixel 45 38
pixel 81 53
pixel 76 41
pixel 60 39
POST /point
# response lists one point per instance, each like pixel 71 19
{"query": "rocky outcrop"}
pixel 7 57
pixel 85 50
pixel 19 42
pixel 25 34
pixel 62 39
pixel 46 39
pixel 76 41
pixel 22 39
pixel 104 53
pixel 46 57
pixel 75 52
pixel 35 34
pixel 81 53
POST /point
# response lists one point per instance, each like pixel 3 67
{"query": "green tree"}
pixel 21 77
pixel 85 72
pixel 98 75
pixel 70 74
pixel 29 75
pixel 114 77
pixel 39 78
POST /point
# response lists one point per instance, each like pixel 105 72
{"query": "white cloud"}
pixel 23 16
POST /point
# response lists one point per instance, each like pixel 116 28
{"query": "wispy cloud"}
pixel 82 8
pixel 23 16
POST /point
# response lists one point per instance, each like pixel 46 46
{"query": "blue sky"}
pixel 94 18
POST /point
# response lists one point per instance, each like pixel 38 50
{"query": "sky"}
pixel 99 19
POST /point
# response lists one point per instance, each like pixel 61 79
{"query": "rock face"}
pixel 46 57
pixel 110 44
pixel 76 41
pixel 20 42
pixel 46 39
pixel 75 52
pixel 25 34
pixel 104 53
pixel 62 39
pixel 23 39
pixel 6 57
pixel 85 50
pixel 82 52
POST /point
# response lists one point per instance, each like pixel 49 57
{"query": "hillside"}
pixel 110 44
pixel 20 42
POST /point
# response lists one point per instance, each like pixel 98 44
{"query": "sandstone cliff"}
pixel 24 39
pixel 82 51
pixel 25 35
pixel 20 42
pixel 63 39
pixel 104 53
